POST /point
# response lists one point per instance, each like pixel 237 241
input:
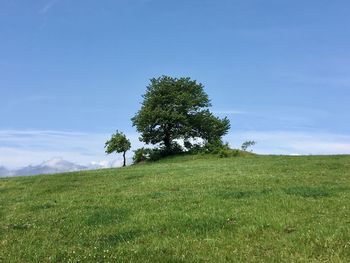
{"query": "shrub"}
pixel 141 155
pixel 155 154
pixel 215 147
pixel 223 153
pixel 236 152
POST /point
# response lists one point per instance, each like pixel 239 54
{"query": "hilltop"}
pixel 182 209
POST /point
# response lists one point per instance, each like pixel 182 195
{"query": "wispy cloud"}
pixel 293 142
pixel 49 5
pixel 228 112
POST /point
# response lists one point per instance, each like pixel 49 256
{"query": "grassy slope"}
pixel 185 209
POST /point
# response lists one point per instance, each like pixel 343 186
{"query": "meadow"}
pixel 199 208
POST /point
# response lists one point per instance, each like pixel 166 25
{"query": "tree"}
pixel 247 144
pixel 177 108
pixel 118 143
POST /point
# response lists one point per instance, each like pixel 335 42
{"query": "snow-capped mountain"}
pixel 54 165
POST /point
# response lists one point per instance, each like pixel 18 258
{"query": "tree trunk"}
pixel 167 143
pixel 124 159
pixel 167 137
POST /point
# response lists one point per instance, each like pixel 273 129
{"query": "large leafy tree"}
pixel 118 143
pixel 177 108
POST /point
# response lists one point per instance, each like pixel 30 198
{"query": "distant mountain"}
pixel 55 165
pixel 4 172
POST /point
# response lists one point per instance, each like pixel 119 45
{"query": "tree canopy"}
pixel 118 143
pixel 177 108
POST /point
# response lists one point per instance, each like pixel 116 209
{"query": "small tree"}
pixel 247 144
pixel 118 143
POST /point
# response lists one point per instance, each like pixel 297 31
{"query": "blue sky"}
pixel 73 71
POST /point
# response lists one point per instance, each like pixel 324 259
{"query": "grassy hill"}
pixel 182 209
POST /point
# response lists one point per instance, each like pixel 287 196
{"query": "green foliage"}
pixel 225 153
pixel 147 154
pixel 155 154
pixel 215 146
pixel 186 208
pixel 188 145
pixel 118 143
pixel 141 155
pixel 177 108
pixel 247 144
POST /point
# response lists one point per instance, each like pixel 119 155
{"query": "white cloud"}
pixel 293 142
pixel 22 148
pixel 228 112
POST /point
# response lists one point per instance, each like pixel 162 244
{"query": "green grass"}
pixel 182 209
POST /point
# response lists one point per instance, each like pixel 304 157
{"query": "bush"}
pixel 188 145
pixel 141 155
pixel 196 149
pixel 236 152
pixel 175 148
pixel 155 154
pixel 224 153
pixel 215 147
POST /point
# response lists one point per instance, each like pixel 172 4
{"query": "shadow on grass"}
pixel 302 191
pixel 14 190
pixel 200 226
pixel 156 195
pixel 134 177
pixel 19 226
pixel 58 188
pixel 243 194
pixel 42 206
pixel 105 216
pixel 122 237
pixel 307 192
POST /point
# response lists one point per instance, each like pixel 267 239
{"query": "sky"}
pixel 73 71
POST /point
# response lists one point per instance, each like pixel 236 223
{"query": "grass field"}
pixel 182 209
